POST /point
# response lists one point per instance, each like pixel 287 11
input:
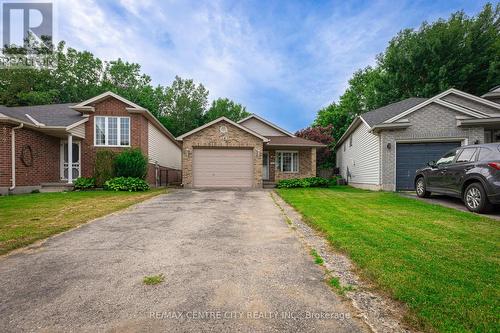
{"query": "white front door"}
pixel 265 165
pixel 76 160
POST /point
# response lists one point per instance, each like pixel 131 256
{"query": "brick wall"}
pixel 45 162
pixel 211 137
pixel 307 164
pixel 431 122
pixel 112 107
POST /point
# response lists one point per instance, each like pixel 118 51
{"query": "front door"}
pixel 76 172
pixel 265 165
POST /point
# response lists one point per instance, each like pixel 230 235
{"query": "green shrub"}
pixel 130 184
pixel 84 183
pixel 303 182
pixel 131 163
pixel 104 166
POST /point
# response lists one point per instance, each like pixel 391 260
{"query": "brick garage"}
pixel 212 137
pixel 253 134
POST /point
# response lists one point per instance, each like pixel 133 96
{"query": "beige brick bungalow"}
pixel 250 153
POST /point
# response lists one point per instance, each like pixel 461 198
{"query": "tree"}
pixel 323 134
pixel 224 107
pixel 184 105
pixel 460 52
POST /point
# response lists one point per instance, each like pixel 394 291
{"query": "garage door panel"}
pixel 412 156
pixel 222 167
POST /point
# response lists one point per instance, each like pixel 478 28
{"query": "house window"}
pixel 287 161
pixel 350 141
pixel 112 131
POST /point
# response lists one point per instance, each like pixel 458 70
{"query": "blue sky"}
pixel 283 60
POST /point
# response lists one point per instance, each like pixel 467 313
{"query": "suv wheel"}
pixel 475 198
pixel 420 188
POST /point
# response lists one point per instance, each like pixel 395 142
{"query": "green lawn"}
pixel 443 263
pixel 27 218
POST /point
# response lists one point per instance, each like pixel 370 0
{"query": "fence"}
pixel 169 177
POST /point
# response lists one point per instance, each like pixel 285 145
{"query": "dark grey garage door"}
pixel 412 156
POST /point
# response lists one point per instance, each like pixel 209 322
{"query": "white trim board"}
pixel 102 96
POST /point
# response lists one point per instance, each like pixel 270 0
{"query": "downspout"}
pixel 13 155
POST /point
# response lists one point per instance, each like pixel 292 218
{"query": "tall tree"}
pixel 461 52
pixel 224 107
pixel 183 106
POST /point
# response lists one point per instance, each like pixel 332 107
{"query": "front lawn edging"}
pixel 380 312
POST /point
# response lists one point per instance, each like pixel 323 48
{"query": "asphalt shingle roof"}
pixel 50 115
pixel 384 113
pixel 289 141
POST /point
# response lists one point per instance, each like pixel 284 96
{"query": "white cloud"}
pixel 237 51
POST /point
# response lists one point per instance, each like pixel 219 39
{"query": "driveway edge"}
pixel 379 312
pixel 39 243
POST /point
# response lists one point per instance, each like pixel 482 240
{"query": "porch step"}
pixel 268 184
pixel 56 187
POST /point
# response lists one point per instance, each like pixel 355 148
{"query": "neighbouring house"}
pixel 51 145
pixel 250 153
pixel 382 148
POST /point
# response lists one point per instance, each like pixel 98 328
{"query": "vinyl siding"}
pixel 362 158
pixel 259 127
pixel 162 150
pixel 79 131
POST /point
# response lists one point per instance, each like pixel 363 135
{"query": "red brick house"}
pixel 39 144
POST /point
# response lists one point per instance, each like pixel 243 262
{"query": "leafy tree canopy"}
pixel 461 52
pixel 78 75
pixel 323 134
pixel 227 108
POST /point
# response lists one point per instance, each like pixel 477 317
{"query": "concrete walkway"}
pixel 230 263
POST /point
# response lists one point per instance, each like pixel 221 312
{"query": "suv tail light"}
pixel 494 165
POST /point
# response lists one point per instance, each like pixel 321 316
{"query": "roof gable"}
pixel 263 126
pixel 384 113
pixel 86 106
pixel 219 120
pixel 438 99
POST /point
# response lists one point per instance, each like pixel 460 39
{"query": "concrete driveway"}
pixel 451 202
pixel 230 262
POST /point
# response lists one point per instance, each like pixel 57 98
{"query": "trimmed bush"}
pixel 303 182
pixel 104 166
pixel 131 163
pixel 130 184
pixel 84 183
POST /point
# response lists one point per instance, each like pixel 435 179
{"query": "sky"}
pixel 283 60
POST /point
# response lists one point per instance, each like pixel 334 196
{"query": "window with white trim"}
pixel 111 131
pixel 287 161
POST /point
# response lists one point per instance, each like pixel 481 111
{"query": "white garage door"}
pixel 222 167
